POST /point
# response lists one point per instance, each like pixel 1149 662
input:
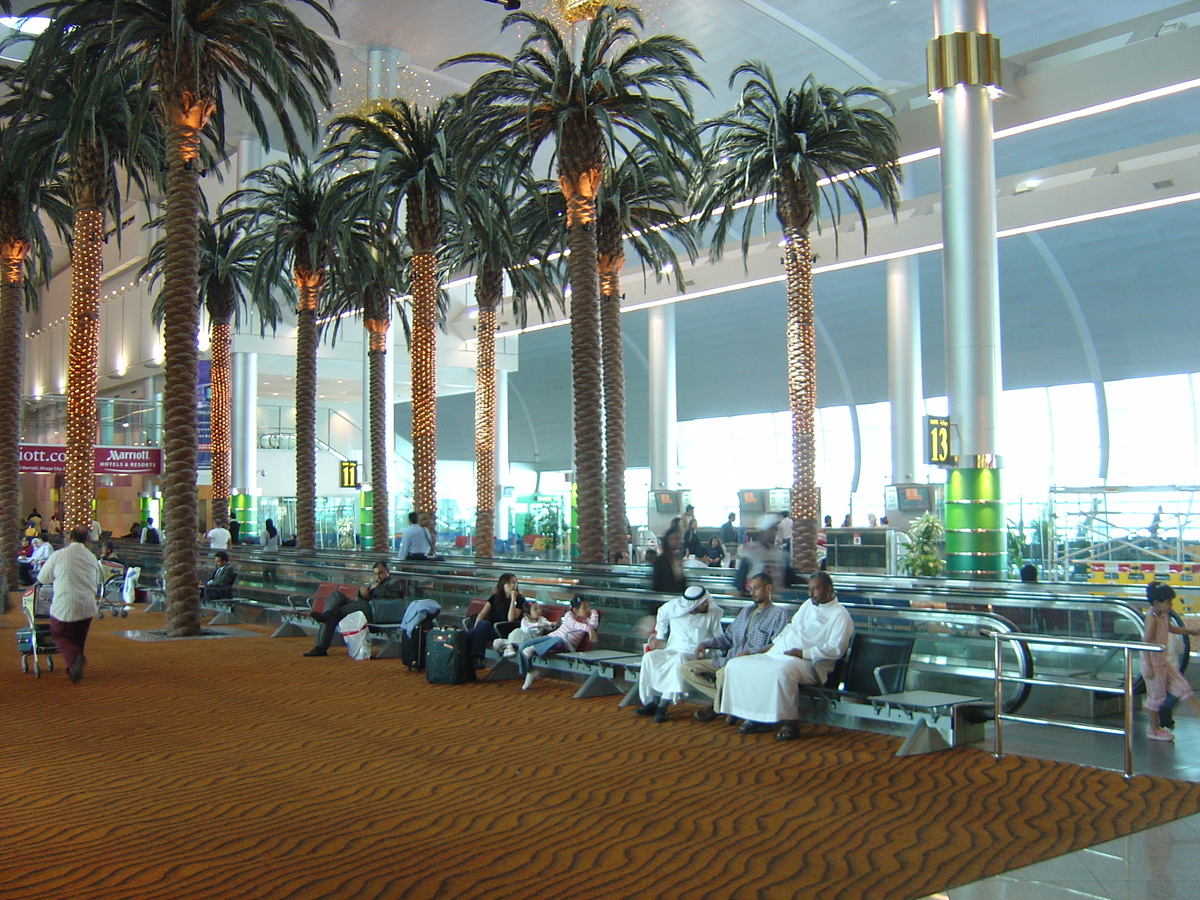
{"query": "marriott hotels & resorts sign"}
pixel 109 460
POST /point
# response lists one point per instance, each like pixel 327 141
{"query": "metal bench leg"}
pixel 922 739
pixel 288 628
pixel 597 685
pixel 227 616
pixel 158 604
pixel 390 649
pixel 631 697
pixel 504 670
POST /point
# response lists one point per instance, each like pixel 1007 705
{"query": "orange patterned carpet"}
pixel 237 768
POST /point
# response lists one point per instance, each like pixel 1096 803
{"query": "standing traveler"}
pixel 75 573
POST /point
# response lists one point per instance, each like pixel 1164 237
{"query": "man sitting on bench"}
pixel 220 584
pixel 764 689
pixel 681 625
pixel 385 586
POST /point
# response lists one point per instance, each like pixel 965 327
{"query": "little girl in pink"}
pixel 1161 670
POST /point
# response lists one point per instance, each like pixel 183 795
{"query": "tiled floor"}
pixel 1161 863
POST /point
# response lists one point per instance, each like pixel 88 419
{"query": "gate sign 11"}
pixel 937 441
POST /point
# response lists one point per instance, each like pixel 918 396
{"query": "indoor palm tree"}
pixel 190 55
pixel 366 277
pixel 621 85
pixel 29 189
pixel 501 223
pixel 807 148
pixel 90 120
pixel 228 282
pixel 398 152
pixel 639 203
pixel 289 213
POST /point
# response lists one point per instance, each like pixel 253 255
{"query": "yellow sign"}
pixel 349 473
pixel 937 441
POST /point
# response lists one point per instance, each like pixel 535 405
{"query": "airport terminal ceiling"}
pixel 1118 288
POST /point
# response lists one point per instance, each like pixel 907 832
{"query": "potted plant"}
pixel 922 558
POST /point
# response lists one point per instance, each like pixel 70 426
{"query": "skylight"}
pixel 25 24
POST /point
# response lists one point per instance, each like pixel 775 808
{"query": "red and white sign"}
pixel 108 461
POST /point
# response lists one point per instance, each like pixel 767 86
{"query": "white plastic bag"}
pixel 358 639
pixel 129 586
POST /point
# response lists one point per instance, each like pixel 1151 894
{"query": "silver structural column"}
pixel 964 64
pixel 969 258
pixel 500 526
pixel 904 366
pixel 243 424
pixel 663 440
pixel 249 158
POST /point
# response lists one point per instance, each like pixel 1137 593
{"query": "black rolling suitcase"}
pixel 413 647
pixel 448 657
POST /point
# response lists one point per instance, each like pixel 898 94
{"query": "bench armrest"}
pixel 879 678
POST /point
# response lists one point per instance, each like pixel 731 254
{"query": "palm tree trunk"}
pixel 611 259
pixel 83 346
pixel 586 370
pixel 186 115
pixel 381 518
pixel 424 380
pixel 308 290
pixel 13 250
pixel 488 289
pixel 219 412
pixel 802 398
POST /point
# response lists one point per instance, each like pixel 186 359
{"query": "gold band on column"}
pixel 963 57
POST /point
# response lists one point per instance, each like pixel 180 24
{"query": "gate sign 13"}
pixel 937 441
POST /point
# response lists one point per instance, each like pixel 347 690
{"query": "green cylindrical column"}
pixel 366 519
pixel 976 535
pixel 244 508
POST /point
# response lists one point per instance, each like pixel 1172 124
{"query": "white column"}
pixel 904 366
pixel 663 431
pixel 249 158
pixel 969 259
pixel 243 430
pixel 502 461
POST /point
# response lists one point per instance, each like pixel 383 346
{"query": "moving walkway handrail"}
pixel 1092 684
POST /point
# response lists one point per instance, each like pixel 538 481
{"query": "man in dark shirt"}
pixel 384 586
pixel 729 531
pixel 220 584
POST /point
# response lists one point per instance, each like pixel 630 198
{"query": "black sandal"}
pixel 788 732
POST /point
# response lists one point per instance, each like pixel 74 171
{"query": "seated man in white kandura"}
pixel 763 689
pixel 680 626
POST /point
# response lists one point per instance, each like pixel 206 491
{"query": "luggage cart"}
pixel 112 592
pixel 35 640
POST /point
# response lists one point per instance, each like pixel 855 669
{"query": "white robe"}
pixel 765 687
pixel 660 668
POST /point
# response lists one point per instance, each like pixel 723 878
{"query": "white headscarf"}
pixel 693 596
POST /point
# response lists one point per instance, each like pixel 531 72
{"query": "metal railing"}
pixel 1088 684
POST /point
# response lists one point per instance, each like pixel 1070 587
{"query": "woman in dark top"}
pixel 667 575
pixel 500 616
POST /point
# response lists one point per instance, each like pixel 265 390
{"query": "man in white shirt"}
pixel 415 542
pixel 783 532
pixel 764 689
pixel 96 531
pixel 41 553
pixel 75 573
pixel 219 537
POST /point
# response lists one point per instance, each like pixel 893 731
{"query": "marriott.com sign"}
pixel 109 460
